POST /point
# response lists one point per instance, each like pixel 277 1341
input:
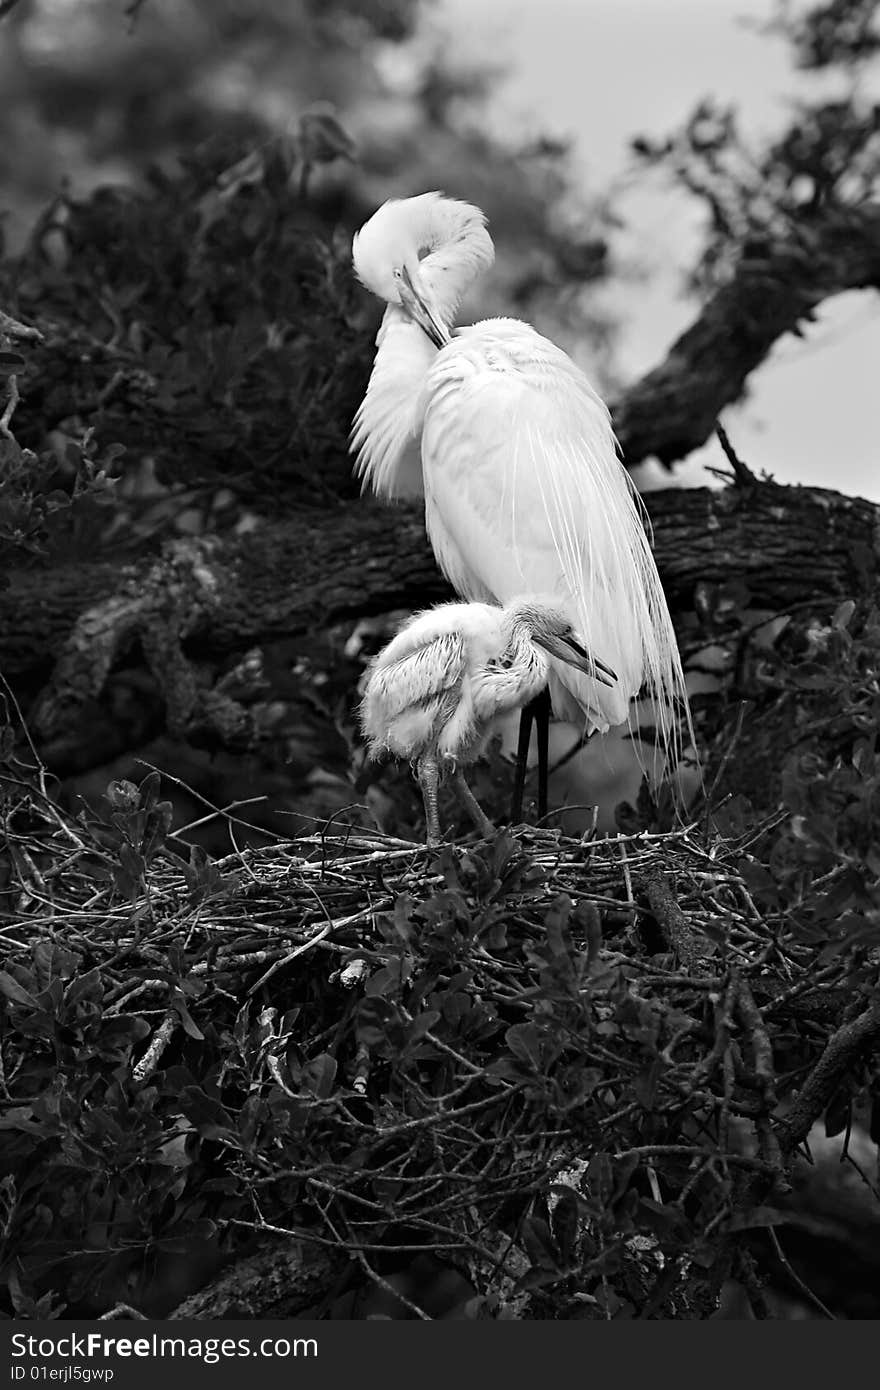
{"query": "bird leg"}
pixel 537 711
pixel 527 714
pixel 428 774
pixel 472 805
pixel 542 728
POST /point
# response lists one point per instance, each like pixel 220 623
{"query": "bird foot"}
pixel 472 806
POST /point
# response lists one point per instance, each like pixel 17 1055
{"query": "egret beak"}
pixel 569 650
pixel 415 303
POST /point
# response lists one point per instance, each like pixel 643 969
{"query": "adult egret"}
pixel 515 455
pixel 435 690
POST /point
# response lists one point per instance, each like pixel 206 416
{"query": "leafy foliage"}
pixel 831 33
pixel 42 519
pixel 209 326
pixel 828 155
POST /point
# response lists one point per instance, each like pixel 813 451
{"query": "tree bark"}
pixel 787 544
pixel 279 1281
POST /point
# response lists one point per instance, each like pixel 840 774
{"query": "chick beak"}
pixel 569 650
pixel 415 302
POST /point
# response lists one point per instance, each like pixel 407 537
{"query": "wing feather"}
pixel 524 491
pixel 413 690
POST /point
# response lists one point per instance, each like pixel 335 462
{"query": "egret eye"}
pixel 397 273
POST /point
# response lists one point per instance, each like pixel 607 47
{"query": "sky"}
pixel 603 71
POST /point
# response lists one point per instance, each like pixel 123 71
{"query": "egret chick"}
pixel 435 690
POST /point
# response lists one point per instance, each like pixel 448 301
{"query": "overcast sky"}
pixel 605 70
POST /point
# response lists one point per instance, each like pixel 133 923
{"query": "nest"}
pixel 543 1060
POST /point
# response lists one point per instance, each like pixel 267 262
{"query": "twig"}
pixel 742 474
pixel 299 951
pixel 10 327
pixel 217 810
pixel 627 877
pixel 722 766
pixel 762 1052
pixel 11 402
pixel 161 1038
pixel 796 1278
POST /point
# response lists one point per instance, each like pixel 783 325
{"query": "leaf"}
pixel 20 1118
pixel 189 1027
pixel 599 1181
pixel 319 1074
pixel 123 796
pixel 524 1042
pixel 176 1152
pixel 149 790
pixel 128 874
pixel 853 929
pixel 565 1221
pixel 539 1244
pixel 207 1115
pixel 385 981
pixel 759 881
pixel 119 1032
pixel 666 1222
pixel 87 986
pixel 14 992
pixel 842 614
pixel 375 1018
pixel 422 1024
pixel 758 1217
pixel 53 962
pixel 158 824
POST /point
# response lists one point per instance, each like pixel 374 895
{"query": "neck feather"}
pixel 386 435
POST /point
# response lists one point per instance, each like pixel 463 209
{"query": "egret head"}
pixel 550 628
pixel 421 253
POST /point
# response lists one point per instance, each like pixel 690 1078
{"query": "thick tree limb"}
pixel 211 599
pixel 774 287
pixel 360 558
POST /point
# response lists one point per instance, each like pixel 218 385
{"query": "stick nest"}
pixel 568 1067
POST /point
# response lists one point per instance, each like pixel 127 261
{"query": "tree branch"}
pixel 775 286
pixel 843 1049
pixel 278 1281
pixel 213 597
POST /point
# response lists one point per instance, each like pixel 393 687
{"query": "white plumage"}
pixel 516 457
pixel 435 691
